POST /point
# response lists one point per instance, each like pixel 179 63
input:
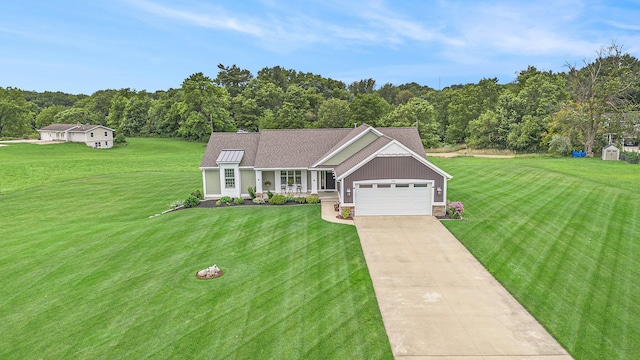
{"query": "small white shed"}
pixel 610 152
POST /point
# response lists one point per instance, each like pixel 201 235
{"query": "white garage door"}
pixel 393 199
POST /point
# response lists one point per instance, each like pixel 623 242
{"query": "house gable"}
pixel 350 149
pixel 356 139
pixel 392 148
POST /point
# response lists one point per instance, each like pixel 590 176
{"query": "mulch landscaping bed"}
pixel 212 204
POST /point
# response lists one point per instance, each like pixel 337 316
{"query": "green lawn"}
pixel 86 273
pixel 563 236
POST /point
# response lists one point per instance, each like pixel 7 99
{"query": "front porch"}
pixel 234 181
pixel 295 181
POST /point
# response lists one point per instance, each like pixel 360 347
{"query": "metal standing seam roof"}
pixel 230 156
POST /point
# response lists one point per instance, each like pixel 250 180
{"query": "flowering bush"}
pixel 455 209
pixel 346 212
pixel 258 200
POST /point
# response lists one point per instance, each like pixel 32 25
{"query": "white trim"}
pixel 258 181
pixel 314 181
pixel 394 181
pixel 345 145
pixel 234 191
pixel 382 149
pixel 278 168
pixel 204 183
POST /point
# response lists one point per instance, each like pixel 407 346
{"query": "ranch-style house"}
pixel 375 171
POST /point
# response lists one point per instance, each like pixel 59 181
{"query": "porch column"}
pixel 259 182
pixel 314 181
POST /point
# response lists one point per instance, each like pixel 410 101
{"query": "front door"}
pixel 327 180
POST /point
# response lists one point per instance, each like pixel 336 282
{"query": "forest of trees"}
pixel 539 111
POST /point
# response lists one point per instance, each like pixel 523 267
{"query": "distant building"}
pixel 95 136
pixel 610 152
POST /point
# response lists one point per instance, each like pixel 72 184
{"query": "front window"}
pixel 290 177
pixel 91 134
pixel 229 179
pixel 105 134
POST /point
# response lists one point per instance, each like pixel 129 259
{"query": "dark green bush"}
pixel 225 200
pixel 120 139
pixel 197 193
pixel 269 194
pixel 630 157
pixel 238 201
pixel 301 200
pixel 191 201
pixel 252 192
pixel 277 199
pixel 312 199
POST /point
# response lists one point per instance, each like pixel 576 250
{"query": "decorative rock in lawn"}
pixel 210 272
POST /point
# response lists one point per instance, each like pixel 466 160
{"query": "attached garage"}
pixel 393 198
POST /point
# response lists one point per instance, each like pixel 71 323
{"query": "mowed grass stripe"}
pixel 563 236
pixel 90 275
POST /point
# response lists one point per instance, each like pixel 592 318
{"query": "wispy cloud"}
pixel 282 27
pixel 625 26
pixel 210 17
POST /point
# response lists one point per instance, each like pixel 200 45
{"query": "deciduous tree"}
pixel 47 116
pixel 604 85
pixel 211 102
pixel 15 113
pixel 367 108
pixel 333 113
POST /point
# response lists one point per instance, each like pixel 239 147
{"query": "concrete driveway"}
pixel 438 302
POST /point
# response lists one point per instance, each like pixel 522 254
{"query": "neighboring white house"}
pixel 96 136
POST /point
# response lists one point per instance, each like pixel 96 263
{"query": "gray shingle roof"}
pixel 353 133
pixel 59 127
pixel 362 155
pixel 408 136
pixel 72 127
pixel 221 141
pixel 301 148
pixel 298 148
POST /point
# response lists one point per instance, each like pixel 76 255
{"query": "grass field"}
pixel 563 236
pixel 87 274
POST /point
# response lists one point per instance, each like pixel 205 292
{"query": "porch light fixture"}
pixel 439 190
pixel 348 191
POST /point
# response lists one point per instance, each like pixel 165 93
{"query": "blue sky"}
pixel 84 46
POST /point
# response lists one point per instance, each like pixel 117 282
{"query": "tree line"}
pixel 539 111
